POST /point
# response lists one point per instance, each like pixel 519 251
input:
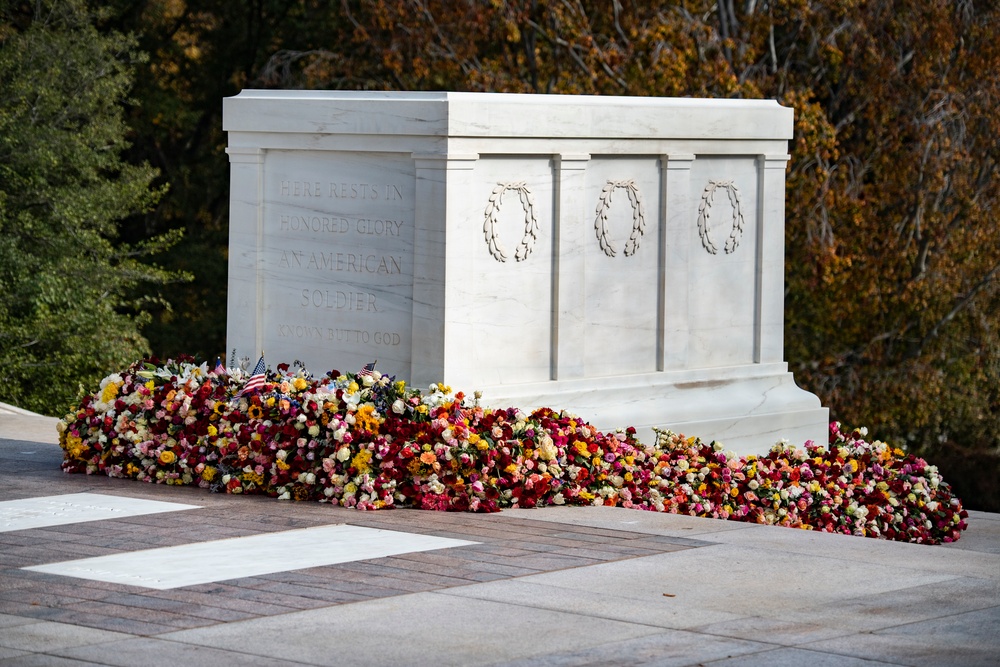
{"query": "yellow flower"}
pixel 253 478
pixel 300 384
pixel 281 465
pixel 110 391
pixel 352 388
pixel 361 460
pixel 208 474
pixel 73 444
pixel 167 457
pixel 212 431
pixel 367 419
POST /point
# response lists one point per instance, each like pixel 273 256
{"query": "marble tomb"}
pixel 621 258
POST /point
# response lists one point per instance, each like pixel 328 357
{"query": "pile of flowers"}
pixel 368 441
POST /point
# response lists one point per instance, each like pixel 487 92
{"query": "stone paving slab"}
pixel 553 586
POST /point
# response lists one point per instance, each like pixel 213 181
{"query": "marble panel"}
pixel 508 313
pixel 722 271
pixel 41 512
pixel 622 266
pixel 235 558
pixel 337 258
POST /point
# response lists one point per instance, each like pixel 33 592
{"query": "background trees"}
pixel 893 257
pixel 68 311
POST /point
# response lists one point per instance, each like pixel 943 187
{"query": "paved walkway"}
pixel 554 586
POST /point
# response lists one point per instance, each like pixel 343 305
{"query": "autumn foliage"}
pixel 893 251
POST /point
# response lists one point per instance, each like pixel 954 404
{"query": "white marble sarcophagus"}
pixel 621 258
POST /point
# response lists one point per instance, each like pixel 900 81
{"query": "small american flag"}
pixel 219 368
pixel 368 370
pixel 256 380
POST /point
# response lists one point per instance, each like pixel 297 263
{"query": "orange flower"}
pixel 428 458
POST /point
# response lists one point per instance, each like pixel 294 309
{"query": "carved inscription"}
pixel 339 251
pixel 328 334
pixel 340 261
pixel 370 191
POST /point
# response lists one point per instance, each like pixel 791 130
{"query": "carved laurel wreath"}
pixel 705 210
pixel 530 221
pixel 638 217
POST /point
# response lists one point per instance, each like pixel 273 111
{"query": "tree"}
pixel 67 316
pixel 201 52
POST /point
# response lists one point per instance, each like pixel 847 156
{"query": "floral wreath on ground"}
pixel 368 441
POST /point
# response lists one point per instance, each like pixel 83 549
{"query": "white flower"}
pixel 343 454
pixel 399 407
pixel 547 449
pixel 558 499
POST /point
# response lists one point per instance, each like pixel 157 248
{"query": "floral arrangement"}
pixel 368 441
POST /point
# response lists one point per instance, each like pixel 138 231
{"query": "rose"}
pixel 167 457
